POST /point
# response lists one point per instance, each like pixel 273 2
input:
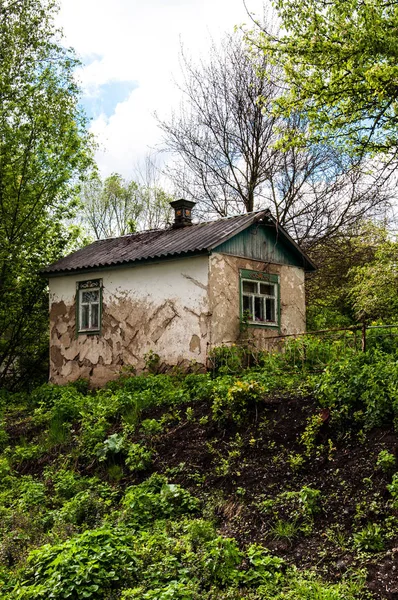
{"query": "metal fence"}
pixel 311 351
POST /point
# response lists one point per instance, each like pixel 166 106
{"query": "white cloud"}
pixel 139 41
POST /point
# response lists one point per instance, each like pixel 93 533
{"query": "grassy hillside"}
pixel 269 483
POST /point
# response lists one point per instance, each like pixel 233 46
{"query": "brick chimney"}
pixel 182 212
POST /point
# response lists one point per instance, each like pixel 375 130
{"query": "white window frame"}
pixel 257 278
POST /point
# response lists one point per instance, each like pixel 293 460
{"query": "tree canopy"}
pixel 117 206
pixel 44 149
pixel 341 69
pixel 374 285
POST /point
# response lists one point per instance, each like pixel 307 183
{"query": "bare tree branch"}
pixel 228 157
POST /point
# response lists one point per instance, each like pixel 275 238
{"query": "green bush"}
pixel 66 483
pixel 58 402
pixel 228 359
pixel 3 434
pixel 86 507
pixel 386 461
pixel 151 427
pixel 18 454
pixel 85 566
pixel 5 469
pixel 361 390
pixel 263 567
pixel 138 458
pixel 156 499
pixel 393 489
pixel 233 399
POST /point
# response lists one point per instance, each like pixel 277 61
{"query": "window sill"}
pixel 264 325
pixel 89 332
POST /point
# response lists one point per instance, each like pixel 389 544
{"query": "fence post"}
pixel 364 336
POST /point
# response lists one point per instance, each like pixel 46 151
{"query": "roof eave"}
pixel 121 264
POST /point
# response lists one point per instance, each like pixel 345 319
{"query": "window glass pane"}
pixel 84 324
pixel 267 289
pixel 270 309
pixel 258 309
pixel 94 316
pixel 250 287
pixel 92 296
pixel 247 306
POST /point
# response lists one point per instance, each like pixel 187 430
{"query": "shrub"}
pixel 3 434
pixel 85 507
pixel 138 457
pixel 264 568
pixel 85 566
pixel 151 427
pixel 58 402
pixel 174 590
pixel 25 452
pixel 156 499
pixel 386 461
pixel 227 359
pixel 199 386
pixel 66 483
pixel 231 402
pixel 5 469
pixel 393 489
pixel 361 389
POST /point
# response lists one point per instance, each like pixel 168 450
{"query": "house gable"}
pixel 262 242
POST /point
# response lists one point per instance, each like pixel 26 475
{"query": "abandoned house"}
pixel 177 292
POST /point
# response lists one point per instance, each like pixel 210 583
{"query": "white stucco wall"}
pixel 161 307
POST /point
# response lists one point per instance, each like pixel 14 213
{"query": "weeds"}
pixel 81 517
pixel 369 539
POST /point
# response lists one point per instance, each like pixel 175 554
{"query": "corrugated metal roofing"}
pixel 154 244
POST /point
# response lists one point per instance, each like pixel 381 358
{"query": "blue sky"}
pixel 130 53
pixel 107 97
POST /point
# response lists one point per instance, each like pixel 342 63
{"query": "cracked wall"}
pixel 224 299
pixel 161 307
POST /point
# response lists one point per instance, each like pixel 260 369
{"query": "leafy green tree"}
pixel 110 207
pixel 116 206
pixel 374 286
pixel 356 278
pixel 43 150
pixel 340 61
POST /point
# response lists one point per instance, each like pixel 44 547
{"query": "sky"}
pixel 130 53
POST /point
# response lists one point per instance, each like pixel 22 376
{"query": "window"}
pixel 260 297
pixel 89 306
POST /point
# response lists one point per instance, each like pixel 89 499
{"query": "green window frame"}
pixel 260 298
pixel 89 306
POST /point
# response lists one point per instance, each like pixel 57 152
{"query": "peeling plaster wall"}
pixel 224 299
pixel 161 307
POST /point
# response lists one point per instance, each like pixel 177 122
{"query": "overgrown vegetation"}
pixel 276 482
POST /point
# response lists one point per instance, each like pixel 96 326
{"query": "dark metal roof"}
pixel 158 243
